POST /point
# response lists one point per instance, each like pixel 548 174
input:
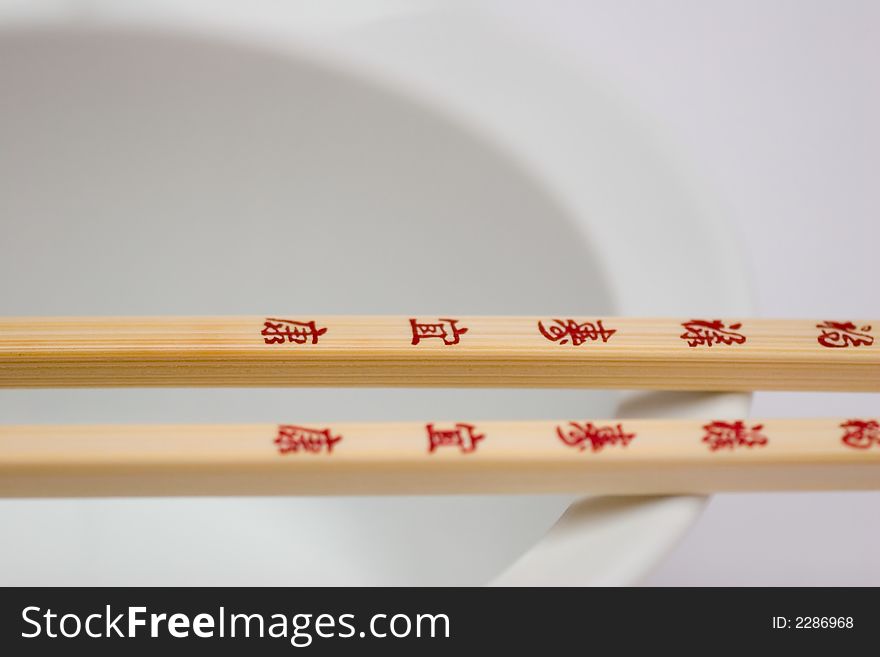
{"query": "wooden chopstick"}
pixel 446 351
pixel 600 456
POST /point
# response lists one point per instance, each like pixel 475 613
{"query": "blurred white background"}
pixel 776 105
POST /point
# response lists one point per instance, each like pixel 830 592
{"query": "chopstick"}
pixel 599 456
pixel 442 351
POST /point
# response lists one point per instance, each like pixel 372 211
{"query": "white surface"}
pixel 147 173
pixel 776 105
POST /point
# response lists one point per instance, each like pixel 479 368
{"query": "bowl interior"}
pixel 148 173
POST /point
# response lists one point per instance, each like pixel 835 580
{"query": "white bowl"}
pixel 183 159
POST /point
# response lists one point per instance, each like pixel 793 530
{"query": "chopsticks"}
pixel 442 351
pixel 598 456
pixel 571 456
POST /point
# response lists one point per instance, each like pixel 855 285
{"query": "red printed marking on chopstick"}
pixel 840 335
pixel 704 332
pixel 720 435
pixel 563 331
pixel 860 434
pixel 443 329
pixel 279 331
pixel 579 435
pixel 295 439
pixel 462 436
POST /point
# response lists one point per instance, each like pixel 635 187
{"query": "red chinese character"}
pixel 463 436
pixel 564 330
pixel 861 434
pixel 437 330
pixel 292 438
pixel 844 334
pixel 730 435
pixel 703 332
pixel 276 331
pixel 579 435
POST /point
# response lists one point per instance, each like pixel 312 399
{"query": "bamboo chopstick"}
pixel 601 456
pixel 602 352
